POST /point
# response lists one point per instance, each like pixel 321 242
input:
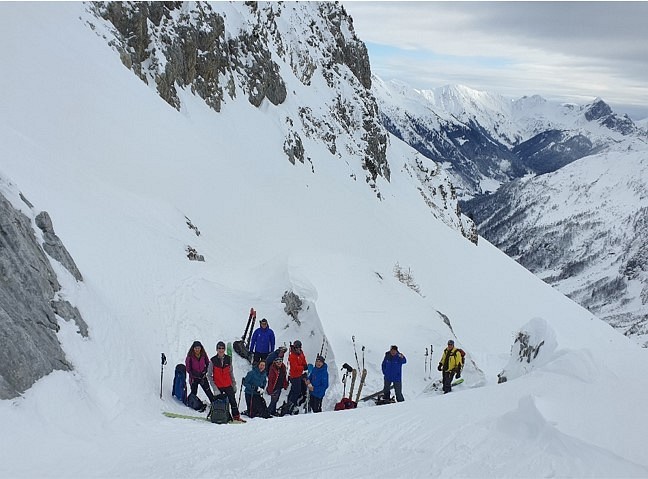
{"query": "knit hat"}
pixel 319 358
pixel 297 344
pixel 263 321
pixel 450 341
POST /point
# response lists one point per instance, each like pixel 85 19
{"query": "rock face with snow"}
pixel 220 51
pixel 54 246
pixel 206 48
pixel 29 348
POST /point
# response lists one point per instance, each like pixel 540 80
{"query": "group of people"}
pixel 269 374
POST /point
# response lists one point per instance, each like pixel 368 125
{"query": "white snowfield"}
pixel 118 170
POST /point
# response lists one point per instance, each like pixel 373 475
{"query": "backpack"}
pixel 219 410
pixel 259 408
pixel 463 356
pixel 179 390
pixel 345 403
pixel 194 402
pixel 287 409
pixel 242 350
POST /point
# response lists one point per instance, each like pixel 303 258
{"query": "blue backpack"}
pixel 179 390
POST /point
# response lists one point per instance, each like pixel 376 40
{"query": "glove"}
pixel 440 367
pixel 458 373
pixel 260 391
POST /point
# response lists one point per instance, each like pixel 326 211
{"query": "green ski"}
pixel 195 418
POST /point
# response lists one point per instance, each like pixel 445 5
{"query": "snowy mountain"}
pixel 139 161
pixel 582 229
pixel 485 139
pixel 555 235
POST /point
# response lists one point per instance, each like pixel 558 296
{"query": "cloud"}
pixel 569 51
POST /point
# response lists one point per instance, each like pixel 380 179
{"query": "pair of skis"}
pixel 363 376
pixel 250 325
pixel 354 374
pixel 242 346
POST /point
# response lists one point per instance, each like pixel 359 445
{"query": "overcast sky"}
pixel 567 51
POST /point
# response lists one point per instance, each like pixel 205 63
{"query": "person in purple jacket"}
pixel 262 342
pixel 392 368
pixel 197 362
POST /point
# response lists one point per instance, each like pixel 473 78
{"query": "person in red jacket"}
pixel 197 363
pixel 277 380
pixel 298 364
pixel 222 377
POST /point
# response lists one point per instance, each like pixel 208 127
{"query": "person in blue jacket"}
pixel 254 382
pixel 392 368
pixel 318 382
pixel 262 342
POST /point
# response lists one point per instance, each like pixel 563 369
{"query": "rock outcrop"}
pixel 29 303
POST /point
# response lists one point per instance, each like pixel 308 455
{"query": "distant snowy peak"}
pixel 486 139
pixel 461 100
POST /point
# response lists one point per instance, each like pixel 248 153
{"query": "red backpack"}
pixel 463 356
pixel 345 403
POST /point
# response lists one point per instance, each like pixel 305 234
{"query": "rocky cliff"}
pixel 29 301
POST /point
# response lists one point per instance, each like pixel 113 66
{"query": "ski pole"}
pixel 164 361
pixel 355 351
pixel 431 349
pixel 239 399
pixel 426 362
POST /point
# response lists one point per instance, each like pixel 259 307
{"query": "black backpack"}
pixel 194 402
pixel 179 390
pixel 287 409
pixel 259 408
pixel 219 410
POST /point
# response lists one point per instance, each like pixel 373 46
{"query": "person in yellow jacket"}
pixel 450 364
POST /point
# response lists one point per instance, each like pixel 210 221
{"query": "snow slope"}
pixel 119 171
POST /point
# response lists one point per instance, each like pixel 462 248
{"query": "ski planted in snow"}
pixel 363 376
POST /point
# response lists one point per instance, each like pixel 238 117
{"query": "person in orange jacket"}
pixel 297 362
